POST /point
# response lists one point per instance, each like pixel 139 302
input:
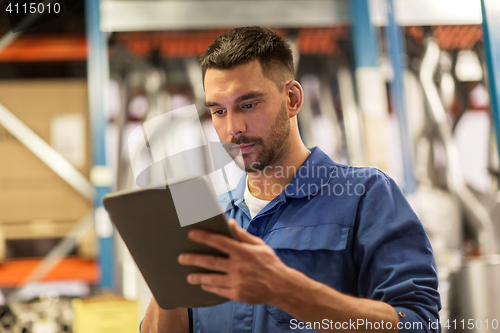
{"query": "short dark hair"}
pixel 242 45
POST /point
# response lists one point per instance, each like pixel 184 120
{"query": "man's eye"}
pixel 248 106
pixel 219 112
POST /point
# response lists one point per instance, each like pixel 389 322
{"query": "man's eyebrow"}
pixel 249 95
pixel 210 104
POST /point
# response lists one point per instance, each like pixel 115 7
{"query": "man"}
pixel 322 246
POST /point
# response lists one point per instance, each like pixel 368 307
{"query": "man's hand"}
pixel 252 274
pixel 158 320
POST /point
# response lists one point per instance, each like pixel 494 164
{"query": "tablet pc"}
pixel 149 224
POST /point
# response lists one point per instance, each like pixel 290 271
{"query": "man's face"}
pixel 249 114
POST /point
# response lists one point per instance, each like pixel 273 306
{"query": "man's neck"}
pixel 268 183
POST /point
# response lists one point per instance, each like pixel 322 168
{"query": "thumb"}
pixel 243 235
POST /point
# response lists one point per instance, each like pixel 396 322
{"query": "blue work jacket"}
pixel 350 228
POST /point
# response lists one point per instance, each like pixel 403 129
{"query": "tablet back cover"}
pixel 148 223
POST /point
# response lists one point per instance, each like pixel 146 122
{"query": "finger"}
pixel 243 235
pixel 214 279
pixel 213 263
pixel 221 291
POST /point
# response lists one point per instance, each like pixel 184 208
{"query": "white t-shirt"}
pixel 254 204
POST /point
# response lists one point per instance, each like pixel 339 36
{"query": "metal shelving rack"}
pixel 491 30
pixel 100 174
pixel 69 48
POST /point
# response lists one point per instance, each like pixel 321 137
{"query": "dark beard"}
pixel 270 151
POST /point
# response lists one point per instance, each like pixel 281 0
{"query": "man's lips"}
pixel 244 148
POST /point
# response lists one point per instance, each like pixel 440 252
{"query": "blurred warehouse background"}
pixel 401 85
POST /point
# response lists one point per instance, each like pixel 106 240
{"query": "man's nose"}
pixel 235 123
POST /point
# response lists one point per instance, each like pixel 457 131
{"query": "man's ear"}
pixel 295 97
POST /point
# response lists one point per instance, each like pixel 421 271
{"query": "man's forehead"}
pixel 235 82
pixel 252 68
